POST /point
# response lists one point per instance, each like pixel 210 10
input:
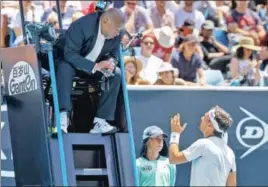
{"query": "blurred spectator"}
pixel 53 19
pixel 188 62
pixel 167 75
pixel 70 8
pixel 67 9
pixel 77 15
pixel 263 55
pixel 223 8
pixel 151 63
pixel 90 8
pixel 264 15
pixel 188 28
pixel 9 8
pixel 209 10
pixel 266 74
pixel 137 17
pixel 3 30
pixel 54 9
pixel 215 54
pixel 133 67
pixel 188 12
pixel 244 63
pixel 161 16
pixel 243 21
pixel 164 39
pixel 169 5
pixel 30 14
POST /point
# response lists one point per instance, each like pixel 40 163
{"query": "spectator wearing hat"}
pixel 153 165
pixel 164 39
pixel 167 75
pixel 215 54
pixel 187 61
pixel 150 62
pixel 244 63
pixel 187 29
pixel 133 67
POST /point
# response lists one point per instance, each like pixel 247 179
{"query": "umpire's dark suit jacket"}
pixel 80 39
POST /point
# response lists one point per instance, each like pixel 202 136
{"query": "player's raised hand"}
pixel 175 124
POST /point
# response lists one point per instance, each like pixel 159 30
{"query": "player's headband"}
pixel 215 124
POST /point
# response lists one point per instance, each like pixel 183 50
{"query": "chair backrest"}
pixel 213 77
pixel 221 36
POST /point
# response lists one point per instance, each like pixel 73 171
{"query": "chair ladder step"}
pixel 91 172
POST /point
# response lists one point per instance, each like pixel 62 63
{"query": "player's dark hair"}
pixel 223 119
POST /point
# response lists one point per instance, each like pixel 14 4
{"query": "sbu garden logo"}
pixel 21 79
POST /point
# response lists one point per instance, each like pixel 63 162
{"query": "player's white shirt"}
pixel 212 160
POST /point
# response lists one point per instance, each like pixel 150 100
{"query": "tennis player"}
pixel 213 160
pixel 153 164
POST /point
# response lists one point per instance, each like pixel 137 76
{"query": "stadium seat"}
pixel 213 77
pixel 221 36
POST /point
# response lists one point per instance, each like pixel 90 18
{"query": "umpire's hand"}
pixel 106 64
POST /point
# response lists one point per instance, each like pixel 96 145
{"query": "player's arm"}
pixel 191 153
pixel 231 180
pixel 175 156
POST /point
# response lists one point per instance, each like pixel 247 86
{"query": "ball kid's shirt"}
pixel 156 172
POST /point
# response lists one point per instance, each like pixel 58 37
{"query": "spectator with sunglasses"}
pixel 153 164
pixel 150 62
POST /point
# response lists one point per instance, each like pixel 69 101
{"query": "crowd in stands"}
pixel 186 43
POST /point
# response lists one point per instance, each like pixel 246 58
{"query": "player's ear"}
pixel 210 124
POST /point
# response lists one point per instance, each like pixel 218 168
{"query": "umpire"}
pixel 91 44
